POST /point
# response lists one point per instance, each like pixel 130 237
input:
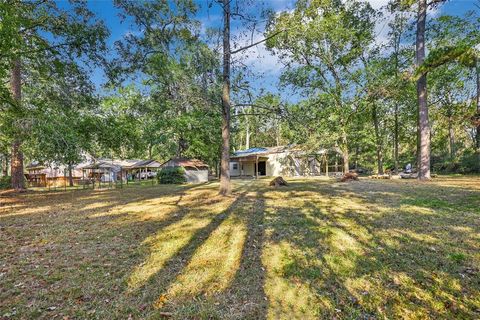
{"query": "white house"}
pixel 284 161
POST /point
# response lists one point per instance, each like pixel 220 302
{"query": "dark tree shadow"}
pixel 245 297
pixel 388 243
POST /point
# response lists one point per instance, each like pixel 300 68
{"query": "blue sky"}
pixel 258 58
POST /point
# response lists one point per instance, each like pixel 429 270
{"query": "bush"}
pixel 5 182
pixel 469 163
pixel 464 164
pixel 172 175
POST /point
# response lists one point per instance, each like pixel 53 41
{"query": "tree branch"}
pixel 257 43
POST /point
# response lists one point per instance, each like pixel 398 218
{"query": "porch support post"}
pixel 326 164
pixel 256 167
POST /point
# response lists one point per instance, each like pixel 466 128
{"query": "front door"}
pixel 262 168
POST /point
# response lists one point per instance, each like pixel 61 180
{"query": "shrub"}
pixel 469 163
pixel 464 164
pixel 172 175
pixel 5 182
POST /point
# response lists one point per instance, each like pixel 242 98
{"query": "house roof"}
pixel 185 162
pixel 105 163
pixel 125 163
pixel 102 165
pixel 146 164
pixel 119 162
pixel 269 150
pixel 35 165
pixel 261 151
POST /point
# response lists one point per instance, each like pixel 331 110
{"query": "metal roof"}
pixel 269 150
pixel 146 164
pixel 102 165
pixel 259 151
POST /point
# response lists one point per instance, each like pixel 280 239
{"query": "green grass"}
pixel 314 249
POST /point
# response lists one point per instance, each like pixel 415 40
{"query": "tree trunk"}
pixel 346 167
pixel 247 134
pixel 396 142
pixel 423 122
pixel 225 187
pixel 18 181
pixel 477 69
pixel 378 140
pixel 16 168
pixel 70 175
pixel 395 130
pixel 5 166
pixel 395 138
pixel 451 134
pixel 277 138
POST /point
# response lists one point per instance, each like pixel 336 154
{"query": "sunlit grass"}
pixel 213 265
pixel 163 246
pixel 315 249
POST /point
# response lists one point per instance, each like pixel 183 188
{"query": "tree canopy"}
pixel 177 87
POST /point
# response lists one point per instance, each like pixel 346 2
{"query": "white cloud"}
pixel 377 4
pixel 258 57
pixel 268 66
pixel 263 61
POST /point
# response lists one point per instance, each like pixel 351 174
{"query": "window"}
pixel 235 166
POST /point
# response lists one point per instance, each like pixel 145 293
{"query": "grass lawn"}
pixel 315 249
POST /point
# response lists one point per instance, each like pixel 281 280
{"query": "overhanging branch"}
pixel 257 43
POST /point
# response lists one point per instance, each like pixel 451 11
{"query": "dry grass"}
pixel 314 249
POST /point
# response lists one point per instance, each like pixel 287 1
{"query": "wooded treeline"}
pixel 178 88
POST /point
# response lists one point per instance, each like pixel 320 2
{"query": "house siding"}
pixel 285 163
pixel 196 176
pixel 276 164
pixel 248 169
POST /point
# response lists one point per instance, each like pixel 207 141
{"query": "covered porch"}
pixel 322 163
pixel 141 170
pixel 248 166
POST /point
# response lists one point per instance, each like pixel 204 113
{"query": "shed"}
pixel 195 170
pixel 144 169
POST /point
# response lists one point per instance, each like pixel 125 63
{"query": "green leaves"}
pixel 55 45
pixel 162 28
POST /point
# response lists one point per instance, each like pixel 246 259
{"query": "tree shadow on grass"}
pixel 79 255
pixel 177 262
pixel 364 259
pixel 245 297
pixel 240 294
pixel 332 250
pixel 427 265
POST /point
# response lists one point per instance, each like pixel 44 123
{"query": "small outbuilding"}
pixel 195 170
pixel 143 169
pixel 286 161
pixel 127 169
